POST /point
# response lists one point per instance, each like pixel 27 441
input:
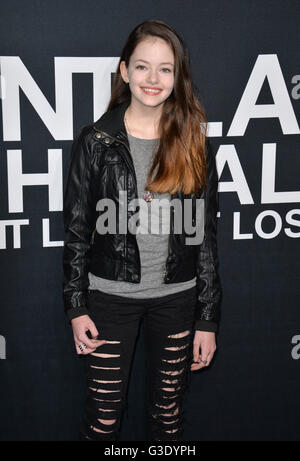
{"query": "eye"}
pixel 165 68
pixel 139 66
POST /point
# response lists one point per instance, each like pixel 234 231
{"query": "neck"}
pixel 143 123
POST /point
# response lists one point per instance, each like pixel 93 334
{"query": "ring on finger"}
pixel 82 346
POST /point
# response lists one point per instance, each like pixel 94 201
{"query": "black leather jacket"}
pixel 100 164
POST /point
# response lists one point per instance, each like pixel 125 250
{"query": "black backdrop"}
pixel 245 63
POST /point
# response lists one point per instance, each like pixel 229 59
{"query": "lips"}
pixel 151 91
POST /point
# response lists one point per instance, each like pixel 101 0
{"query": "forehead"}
pixel 153 49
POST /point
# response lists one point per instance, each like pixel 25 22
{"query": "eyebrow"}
pixel 170 64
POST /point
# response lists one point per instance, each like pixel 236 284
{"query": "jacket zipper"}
pixel 93 236
pixel 165 264
pixel 133 170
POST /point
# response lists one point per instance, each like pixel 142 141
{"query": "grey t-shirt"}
pixel 153 243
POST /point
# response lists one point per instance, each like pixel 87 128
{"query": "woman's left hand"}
pixel 204 341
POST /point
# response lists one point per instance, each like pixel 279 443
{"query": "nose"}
pixel 152 76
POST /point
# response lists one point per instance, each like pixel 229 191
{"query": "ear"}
pixel 123 71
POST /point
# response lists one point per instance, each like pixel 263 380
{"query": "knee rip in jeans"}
pixel 170 421
pixel 106 391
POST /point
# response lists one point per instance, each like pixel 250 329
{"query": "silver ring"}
pixel 82 347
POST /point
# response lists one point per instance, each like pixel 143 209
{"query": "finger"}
pixel 196 352
pixel 208 357
pixel 95 342
pixel 98 342
pixel 91 343
pixel 93 330
pixel 197 366
pixel 85 351
pixel 204 361
pixel 82 348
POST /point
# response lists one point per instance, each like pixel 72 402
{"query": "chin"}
pixel 153 102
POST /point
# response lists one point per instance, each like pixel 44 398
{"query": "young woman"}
pixel 150 146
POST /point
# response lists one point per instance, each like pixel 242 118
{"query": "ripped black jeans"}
pixel 168 327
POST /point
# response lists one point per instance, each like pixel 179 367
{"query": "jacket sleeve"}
pixel 209 289
pixel 78 226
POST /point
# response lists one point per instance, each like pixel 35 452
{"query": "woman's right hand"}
pixel 80 326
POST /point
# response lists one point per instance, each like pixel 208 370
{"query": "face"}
pixel 150 73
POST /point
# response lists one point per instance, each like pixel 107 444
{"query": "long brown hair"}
pixel 180 159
